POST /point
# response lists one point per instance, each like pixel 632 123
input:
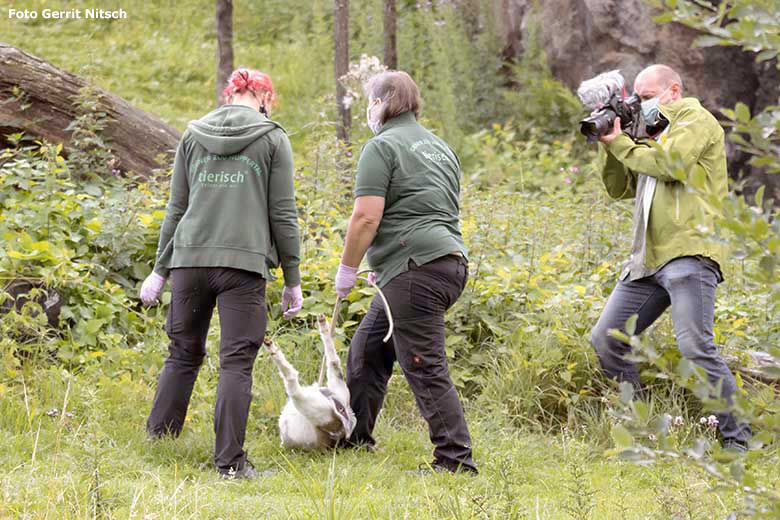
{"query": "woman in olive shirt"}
pixel 406 218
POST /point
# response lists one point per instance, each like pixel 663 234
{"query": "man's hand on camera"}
pixel 616 131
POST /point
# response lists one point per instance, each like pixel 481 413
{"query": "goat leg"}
pixel 332 360
pixel 336 382
pixel 308 400
pixel 286 370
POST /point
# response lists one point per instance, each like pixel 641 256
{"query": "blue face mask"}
pixel 649 108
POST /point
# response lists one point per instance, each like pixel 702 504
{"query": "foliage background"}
pixel 546 246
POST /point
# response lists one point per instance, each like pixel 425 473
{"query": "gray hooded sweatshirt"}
pixel 232 200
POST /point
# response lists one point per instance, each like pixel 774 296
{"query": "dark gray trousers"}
pixel 240 298
pixel 688 285
pixel 418 300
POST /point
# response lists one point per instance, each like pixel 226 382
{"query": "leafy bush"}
pixel 498 154
pixel 544 253
pixel 753 25
pixel 543 107
pixel 545 242
pixel 91 241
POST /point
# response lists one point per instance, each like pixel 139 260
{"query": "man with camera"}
pixel 673 260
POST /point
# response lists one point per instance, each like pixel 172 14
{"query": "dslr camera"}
pixel 605 95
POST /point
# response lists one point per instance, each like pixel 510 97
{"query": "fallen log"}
pixel 38 98
pixel 16 293
pixel 760 366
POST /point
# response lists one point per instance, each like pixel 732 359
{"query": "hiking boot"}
pixel 248 472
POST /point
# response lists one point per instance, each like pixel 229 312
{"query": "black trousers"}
pixel 418 300
pixel 240 298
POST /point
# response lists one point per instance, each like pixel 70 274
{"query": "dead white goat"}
pixel 315 417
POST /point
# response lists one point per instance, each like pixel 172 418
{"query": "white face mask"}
pixel 650 110
pixel 374 125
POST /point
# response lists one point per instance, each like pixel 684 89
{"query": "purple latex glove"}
pixel 345 280
pixel 151 288
pixel 292 301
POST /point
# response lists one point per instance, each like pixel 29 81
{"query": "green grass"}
pixel 100 464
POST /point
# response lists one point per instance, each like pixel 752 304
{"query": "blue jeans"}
pixel 687 284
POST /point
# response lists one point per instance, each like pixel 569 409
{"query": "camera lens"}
pixel 597 125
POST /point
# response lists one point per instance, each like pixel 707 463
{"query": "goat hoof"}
pixel 270 347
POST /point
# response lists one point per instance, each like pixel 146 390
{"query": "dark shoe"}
pixel 370 447
pixel 440 466
pixel 734 446
pixel 152 436
pixel 425 469
pixel 248 472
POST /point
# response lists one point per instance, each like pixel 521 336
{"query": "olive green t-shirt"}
pixel 419 177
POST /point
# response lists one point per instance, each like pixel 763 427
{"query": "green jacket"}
pixel 232 201
pixel 681 222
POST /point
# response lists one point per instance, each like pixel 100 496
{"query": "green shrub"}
pixel 89 240
pixel 545 242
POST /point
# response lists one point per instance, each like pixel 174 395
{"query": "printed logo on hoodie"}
pixel 222 178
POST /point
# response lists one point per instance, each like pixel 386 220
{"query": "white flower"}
pixel 678 421
pixel 712 421
pixel 652 437
pixel 703 420
pixel 359 73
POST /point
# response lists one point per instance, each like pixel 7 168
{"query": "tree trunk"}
pixel 469 11
pixel 224 45
pixel 341 62
pixel 391 51
pixel 43 106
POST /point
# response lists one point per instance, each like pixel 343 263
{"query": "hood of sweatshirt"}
pixel 230 128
